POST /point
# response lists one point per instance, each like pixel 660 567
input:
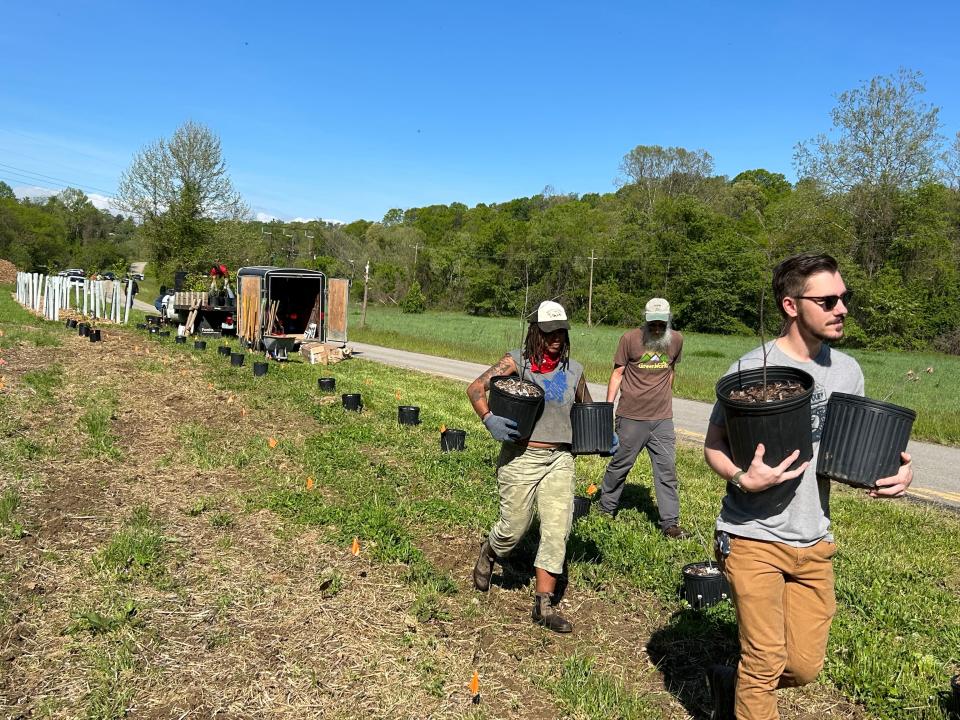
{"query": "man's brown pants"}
pixel 785 603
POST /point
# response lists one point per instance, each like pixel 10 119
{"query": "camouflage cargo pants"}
pixel 541 480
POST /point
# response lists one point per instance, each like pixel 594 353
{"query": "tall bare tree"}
pixel 175 188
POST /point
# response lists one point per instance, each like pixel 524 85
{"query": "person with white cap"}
pixel 535 474
pixel 644 369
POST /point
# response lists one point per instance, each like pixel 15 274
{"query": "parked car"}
pixel 108 276
pixel 72 272
pixel 135 275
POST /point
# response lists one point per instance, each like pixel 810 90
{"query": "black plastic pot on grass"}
pixel 781 425
pixel 352 402
pixel 408 415
pixel 453 440
pixel 862 439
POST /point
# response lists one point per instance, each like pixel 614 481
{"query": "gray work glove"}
pixel 502 429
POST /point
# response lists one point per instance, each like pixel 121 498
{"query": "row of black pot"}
pixel 85 330
pixel 860 441
pixel 236 359
pixel 451 439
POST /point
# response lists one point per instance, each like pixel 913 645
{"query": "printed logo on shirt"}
pixel 818 410
pixel 555 388
pixel 653 361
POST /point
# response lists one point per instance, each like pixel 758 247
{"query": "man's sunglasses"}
pixel 828 302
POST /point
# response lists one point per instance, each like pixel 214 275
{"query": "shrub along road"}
pixel 935 476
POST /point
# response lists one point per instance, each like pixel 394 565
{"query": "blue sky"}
pixel 345 110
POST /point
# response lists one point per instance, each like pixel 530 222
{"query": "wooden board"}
pixel 248 319
pixel 338 293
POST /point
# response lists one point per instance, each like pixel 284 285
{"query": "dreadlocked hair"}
pixel 535 346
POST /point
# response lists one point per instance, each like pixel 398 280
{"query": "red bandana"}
pixel 548 364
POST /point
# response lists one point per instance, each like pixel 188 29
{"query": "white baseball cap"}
pixel 550 316
pixel 657 309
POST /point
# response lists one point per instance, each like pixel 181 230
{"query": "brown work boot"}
pixel 484 567
pixel 675 532
pixel 544 613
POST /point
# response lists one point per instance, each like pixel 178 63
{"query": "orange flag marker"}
pixel 443 428
pixel 355 549
pixel 591 489
pixel 309 483
pixel 475 683
pixel 272 442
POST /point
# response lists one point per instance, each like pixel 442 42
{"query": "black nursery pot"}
pixel 592 428
pixel 408 415
pixel 199 344
pixel 236 359
pixel 71 323
pixel 955 687
pixel 260 369
pixel 781 425
pixel 180 340
pixel 82 329
pixel 224 350
pixel 525 411
pixel 352 402
pixel 453 439
pixel 153 319
pixel 141 326
pixel 164 333
pixel 154 330
pixel 327 384
pixel 94 335
pixel 862 439
pixel 702 591
pixel 581 507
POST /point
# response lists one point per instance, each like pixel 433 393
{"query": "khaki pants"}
pixel 528 477
pixel 785 603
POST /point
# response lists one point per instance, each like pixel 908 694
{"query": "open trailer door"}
pixel 338 293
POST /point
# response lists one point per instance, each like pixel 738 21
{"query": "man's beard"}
pixel 818 333
pixel 660 344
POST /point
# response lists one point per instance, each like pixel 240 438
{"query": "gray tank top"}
pixel 559 389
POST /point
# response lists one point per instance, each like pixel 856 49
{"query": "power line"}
pixel 37 177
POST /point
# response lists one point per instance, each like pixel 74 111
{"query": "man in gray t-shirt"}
pixel 773 533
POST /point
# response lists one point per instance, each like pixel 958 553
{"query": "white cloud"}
pixel 264 217
pixel 101 202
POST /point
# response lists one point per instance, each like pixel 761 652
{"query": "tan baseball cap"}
pixel 550 316
pixel 657 309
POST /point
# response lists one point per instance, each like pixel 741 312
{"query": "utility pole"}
pixel 309 237
pixel 291 247
pixel 590 292
pixel 267 233
pixel 416 248
pixel 366 280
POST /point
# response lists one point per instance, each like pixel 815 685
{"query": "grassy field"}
pixel 935 397
pixel 175 540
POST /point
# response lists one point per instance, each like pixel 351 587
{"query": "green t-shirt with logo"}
pixel 645 392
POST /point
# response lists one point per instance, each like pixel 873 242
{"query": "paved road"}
pixel 936 476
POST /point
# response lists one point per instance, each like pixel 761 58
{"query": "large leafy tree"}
pixel 177 188
pixel 886 144
pixel 657 171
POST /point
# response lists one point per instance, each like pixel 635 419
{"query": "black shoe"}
pixel 484 567
pixel 544 613
pixel 722 681
pixel 675 532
